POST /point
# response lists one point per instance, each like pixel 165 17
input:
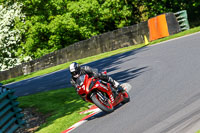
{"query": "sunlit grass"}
pixel 63 107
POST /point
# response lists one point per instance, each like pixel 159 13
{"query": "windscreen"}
pixel 80 80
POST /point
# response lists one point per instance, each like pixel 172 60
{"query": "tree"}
pixel 54 24
pixel 9 35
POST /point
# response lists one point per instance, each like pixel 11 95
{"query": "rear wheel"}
pixel 126 97
pixel 102 104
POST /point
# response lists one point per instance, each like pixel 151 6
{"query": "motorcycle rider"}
pixel 76 71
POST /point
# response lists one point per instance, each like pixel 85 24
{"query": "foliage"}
pixel 156 7
pixel 9 34
pixel 54 24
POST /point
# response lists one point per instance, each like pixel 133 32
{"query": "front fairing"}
pixel 83 82
pixel 89 85
pixel 96 85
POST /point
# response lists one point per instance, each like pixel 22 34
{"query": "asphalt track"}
pixel 166 89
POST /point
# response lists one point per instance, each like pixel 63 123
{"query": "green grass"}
pixel 198 131
pixel 63 107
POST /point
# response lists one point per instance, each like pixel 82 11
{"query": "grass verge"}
pixel 66 65
pixel 62 106
pixel 97 57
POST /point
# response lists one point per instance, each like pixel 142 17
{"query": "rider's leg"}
pixel 116 85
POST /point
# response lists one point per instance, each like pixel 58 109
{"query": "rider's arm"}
pixel 74 84
pixel 90 71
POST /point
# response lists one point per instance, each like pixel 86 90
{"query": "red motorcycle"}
pixel 100 93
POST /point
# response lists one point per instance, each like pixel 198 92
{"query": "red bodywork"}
pixel 85 90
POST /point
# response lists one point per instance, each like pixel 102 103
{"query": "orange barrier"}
pixel 158 27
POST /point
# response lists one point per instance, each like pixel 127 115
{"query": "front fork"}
pixel 101 96
pixel 114 92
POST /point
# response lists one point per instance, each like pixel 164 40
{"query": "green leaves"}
pixel 10 15
pixel 115 14
pixel 54 24
pixel 63 31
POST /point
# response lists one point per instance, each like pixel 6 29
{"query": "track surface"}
pixel 166 88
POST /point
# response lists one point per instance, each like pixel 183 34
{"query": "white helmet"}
pixel 74 69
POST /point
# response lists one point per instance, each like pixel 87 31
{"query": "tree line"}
pixel 48 25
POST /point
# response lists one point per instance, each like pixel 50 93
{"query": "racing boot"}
pixel 120 89
pixel 114 83
pixel 117 86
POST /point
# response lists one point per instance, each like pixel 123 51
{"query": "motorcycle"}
pixel 101 93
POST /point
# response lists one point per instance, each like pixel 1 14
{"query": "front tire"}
pixel 126 97
pixel 106 107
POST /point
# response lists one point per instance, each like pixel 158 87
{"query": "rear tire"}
pixel 126 97
pixel 105 107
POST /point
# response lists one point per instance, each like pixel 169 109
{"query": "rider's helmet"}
pixel 75 69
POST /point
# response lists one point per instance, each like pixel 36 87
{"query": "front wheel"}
pixel 103 105
pixel 126 97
